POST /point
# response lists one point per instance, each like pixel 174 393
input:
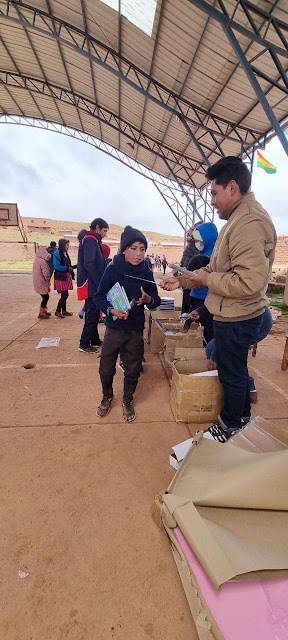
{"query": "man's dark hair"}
pixel 230 168
pixel 52 243
pixel 99 222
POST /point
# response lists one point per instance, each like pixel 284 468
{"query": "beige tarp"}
pixel 232 507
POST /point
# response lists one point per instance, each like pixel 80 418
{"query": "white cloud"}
pixel 54 176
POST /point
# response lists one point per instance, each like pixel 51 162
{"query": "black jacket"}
pixel 91 264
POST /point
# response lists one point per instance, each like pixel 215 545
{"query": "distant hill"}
pixel 114 230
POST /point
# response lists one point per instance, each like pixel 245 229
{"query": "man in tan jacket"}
pixel 237 278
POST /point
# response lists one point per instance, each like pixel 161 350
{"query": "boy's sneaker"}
pixel 216 432
pixel 104 407
pixel 128 412
pixel 67 313
pixel 88 349
pixel 96 344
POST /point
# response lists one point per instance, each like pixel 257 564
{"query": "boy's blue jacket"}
pixel 118 271
pixel 209 235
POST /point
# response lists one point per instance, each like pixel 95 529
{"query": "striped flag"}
pixel 264 164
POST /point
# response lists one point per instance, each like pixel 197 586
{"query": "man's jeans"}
pixel 90 333
pixel 232 342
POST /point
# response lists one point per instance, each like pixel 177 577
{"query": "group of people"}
pixel 156 262
pixel 53 262
pixel 226 292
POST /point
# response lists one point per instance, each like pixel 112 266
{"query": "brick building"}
pixel 38 225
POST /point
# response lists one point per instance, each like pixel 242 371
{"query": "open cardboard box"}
pixel 180 354
pixel 170 334
pixel 152 316
pixel 195 398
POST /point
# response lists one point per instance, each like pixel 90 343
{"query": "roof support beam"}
pixel 132 134
pixel 257 88
pixel 109 59
pixel 185 203
pixel 228 24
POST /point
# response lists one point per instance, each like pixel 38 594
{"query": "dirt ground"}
pixel 76 490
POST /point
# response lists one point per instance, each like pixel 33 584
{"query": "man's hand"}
pixel 119 313
pixel 70 269
pixel 212 365
pixel 197 280
pixel 145 299
pixel 170 284
pixel 194 315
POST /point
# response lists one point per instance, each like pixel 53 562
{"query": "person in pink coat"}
pixel 41 280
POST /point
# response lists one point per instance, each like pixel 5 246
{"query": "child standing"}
pixel 62 277
pixel 131 270
pixel 41 281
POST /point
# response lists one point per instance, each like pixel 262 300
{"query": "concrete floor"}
pixel 76 491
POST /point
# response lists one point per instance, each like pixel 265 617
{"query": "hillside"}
pixel 114 231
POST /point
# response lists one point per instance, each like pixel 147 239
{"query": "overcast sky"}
pixel 53 176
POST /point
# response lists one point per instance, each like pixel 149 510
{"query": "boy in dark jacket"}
pixel 90 268
pixel 130 270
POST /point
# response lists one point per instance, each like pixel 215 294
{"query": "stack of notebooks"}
pixel 118 298
pixel 167 304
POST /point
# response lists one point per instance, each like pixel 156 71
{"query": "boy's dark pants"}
pixel 131 344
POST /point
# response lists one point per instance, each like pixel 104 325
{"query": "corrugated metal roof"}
pixel 83 65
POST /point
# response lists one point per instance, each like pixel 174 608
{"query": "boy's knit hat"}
pixel 131 235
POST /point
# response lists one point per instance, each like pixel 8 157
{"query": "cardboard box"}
pixel 195 398
pixel 180 354
pixel 170 334
pixel 192 339
pixel 152 316
pixel 255 437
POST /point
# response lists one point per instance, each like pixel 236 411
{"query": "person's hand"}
pixel 145 299
pixel 194 315
pixel 70 269
pixel 119 313
pixel 212 365
pixel 170 284
pixel 197 279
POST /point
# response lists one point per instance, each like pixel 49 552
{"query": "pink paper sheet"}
pixel 250 610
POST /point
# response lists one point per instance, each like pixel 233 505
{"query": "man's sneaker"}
pixel 128 412
pixel 245 421
pixel 216 432
pixel 104 407
pixel 96 344
pixel 253 396
pixel 58 314
pixel 88 349
pixel 67 313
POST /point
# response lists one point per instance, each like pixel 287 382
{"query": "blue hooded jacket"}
pixel 209 234
pixel 120 271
